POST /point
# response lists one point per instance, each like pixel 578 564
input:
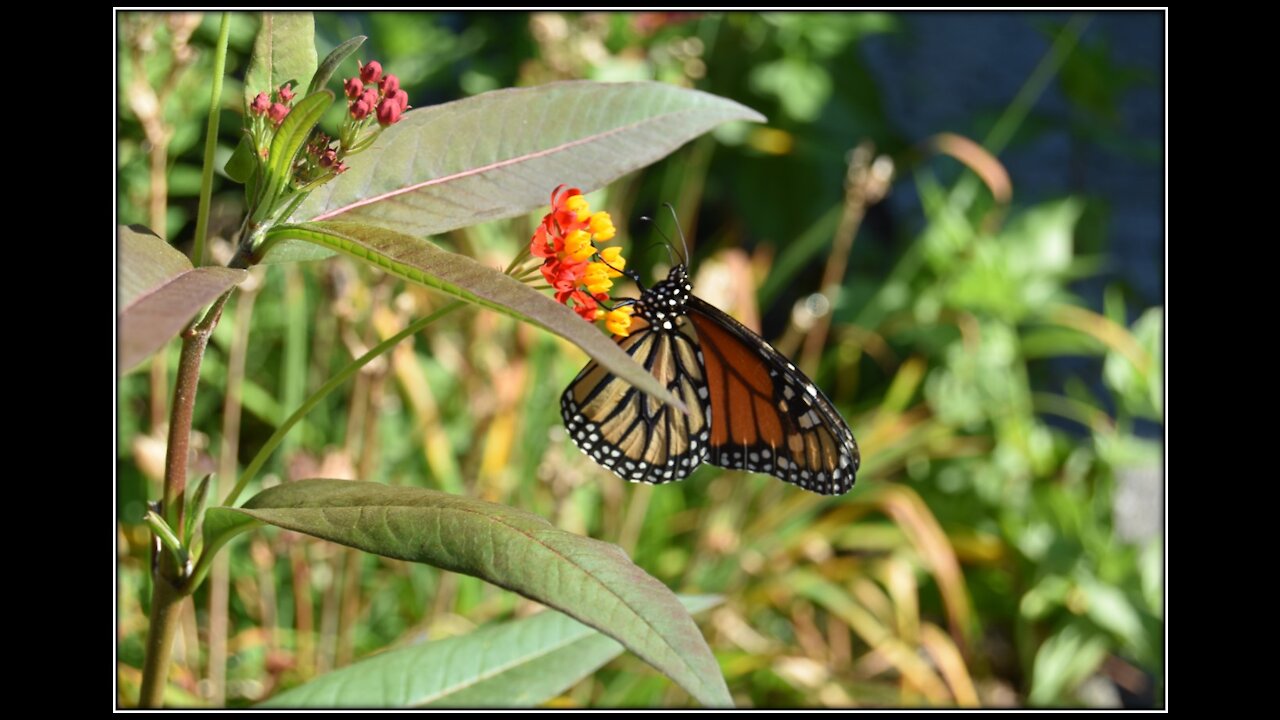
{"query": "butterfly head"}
pixel 666 299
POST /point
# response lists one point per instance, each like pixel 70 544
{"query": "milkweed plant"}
pixel 373 188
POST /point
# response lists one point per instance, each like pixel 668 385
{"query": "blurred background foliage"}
pixel 993 332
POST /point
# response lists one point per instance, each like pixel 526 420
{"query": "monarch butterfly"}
pixel 749 407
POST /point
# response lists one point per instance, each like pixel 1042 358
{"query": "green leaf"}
pixel 522 663
pixel 331 62
pixel 1112 610
pixel 1039 241
pixel 594 582
pixel 802 87
pixel 241 164
pixel 501 154
pixel 284 50
pixel 422 262
pixel 288 141
pixel 158 293
pixel 1139 392
pixel 1064 661
pixel 219 526
pixel 195 505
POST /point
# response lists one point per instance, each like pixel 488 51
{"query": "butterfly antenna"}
pixel 632 274
pixel 670 253
pixel 679 229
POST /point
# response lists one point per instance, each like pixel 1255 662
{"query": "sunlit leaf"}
pixel 1063 661
pixel 1140 389
pixel 284 50
pixel 501 153
pixel 1112 611
pixel 594 582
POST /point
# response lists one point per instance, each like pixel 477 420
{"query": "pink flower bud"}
pixel 401 97
pixel 372 72
pixel 390 84
pixel 260 104
pixel 353 87
pixel 286 94
pixel 389 112
pixel 329 158
pixel 360 109
pixel 370 97
pixel 277 112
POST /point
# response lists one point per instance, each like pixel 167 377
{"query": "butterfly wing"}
pixel 636 436
pixel 766 415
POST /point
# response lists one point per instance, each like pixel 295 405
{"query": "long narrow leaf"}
pixel 501 153
pixel 422 262
pixel 521 663
pixel 331 62
pixel 288 141
pixel 594 582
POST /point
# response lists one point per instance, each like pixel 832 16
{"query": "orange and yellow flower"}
pixel 565 240
pixel 618 320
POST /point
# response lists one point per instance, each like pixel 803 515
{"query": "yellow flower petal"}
pixel 577 245
pixel 602 226
pixel 611 258
pixel 618 321
pixel 578 204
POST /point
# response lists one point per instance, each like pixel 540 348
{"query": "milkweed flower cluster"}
pixel 375 94
pixel 565 240
pixel 374 101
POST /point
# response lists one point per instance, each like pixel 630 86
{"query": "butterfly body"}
pixel 749 407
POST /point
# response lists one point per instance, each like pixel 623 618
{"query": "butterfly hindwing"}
pixel 636 436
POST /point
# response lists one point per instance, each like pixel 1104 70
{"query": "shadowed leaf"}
pixel 521 663
pixel 594 582
pixel 158 294
pixel 241 164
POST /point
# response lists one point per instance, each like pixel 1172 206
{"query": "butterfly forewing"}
pixel 636 436
pixel 766 415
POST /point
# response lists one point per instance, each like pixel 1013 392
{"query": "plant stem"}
pixel 166 606
pixel 194 341
pixel 211 141
pixel 168 586
pixel 864 186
